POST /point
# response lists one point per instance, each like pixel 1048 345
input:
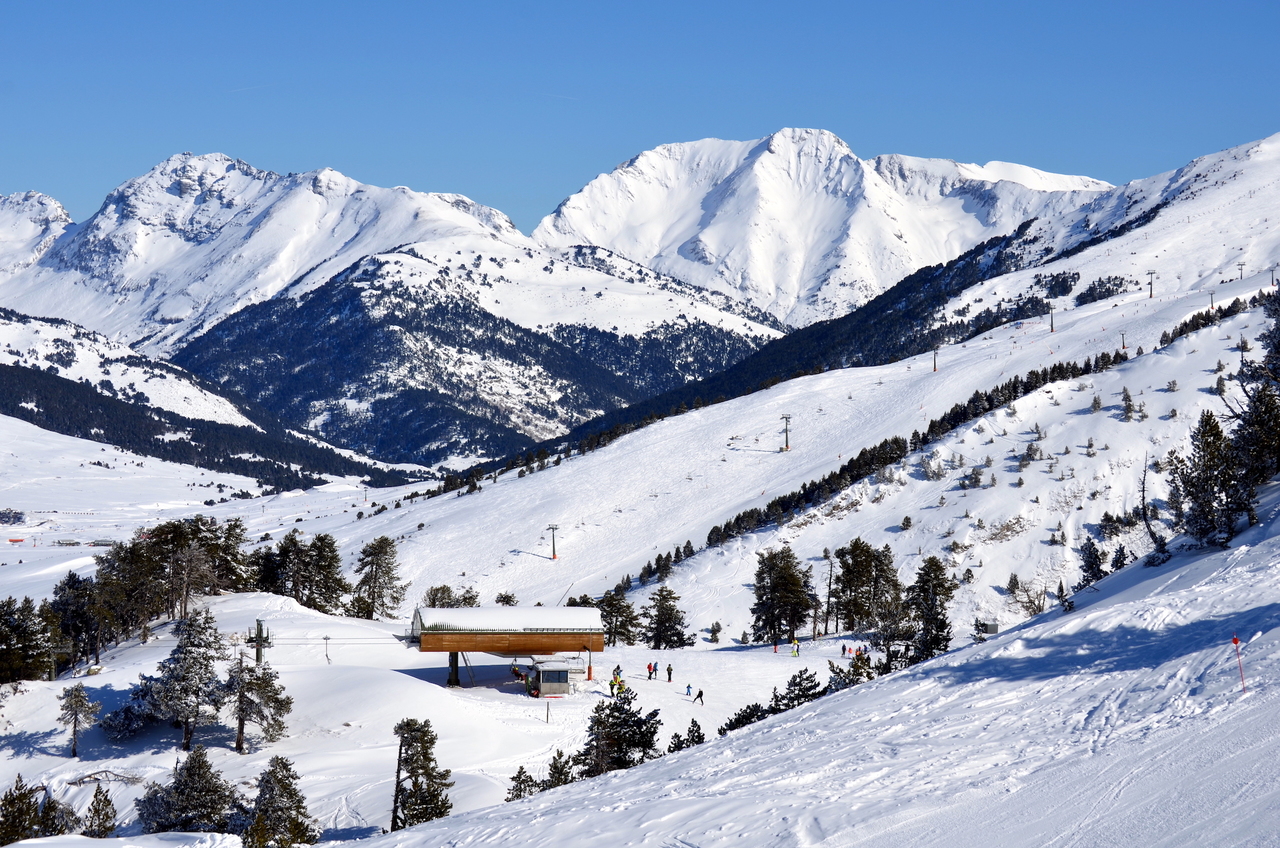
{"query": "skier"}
pixel 698 699
pixel 669 669
pixel 688 690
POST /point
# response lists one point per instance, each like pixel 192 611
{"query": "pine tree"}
pixel 559 772
pixel 198 800
pixel 57 817
pixel 420 788
pixel 506 599
pixel 862 575
pixel 895 624
pixel 695 736
pixel 19 812
pixel 257 698
pixel 859 671
pixel 78 712
pixel 784 595
pixel 1127 402
pixel 379 592
pixel 101 820
pixel 279 817
pixel 688 548
pixel 929 596
pixel 188 690
pixel 1091 560
pixel 664 625
pixel 619 736
pixel 802 688
pixel 1206 489
pixel 1120 559
pixel 325 584
pixel 1256 439
pixel 522 785
pixel 24 642
pixel 749 714
pixel 618 616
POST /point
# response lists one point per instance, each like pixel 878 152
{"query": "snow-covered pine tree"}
pixel 257 697
pixel 664 625
pixel 379 592
pixel 78 712
pixel 420 788
pixel 197 800
pixel 802 688
pixel 522 785
pixel 1120 559
pixel 619 736
pixel 929 596
pixel 619 618
pixel 20 812
pixel 188 690
pixel 1091 559
pixel 559 771
pixel 100 822
pixel 279 817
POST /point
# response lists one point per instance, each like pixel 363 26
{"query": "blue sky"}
pixel 518 105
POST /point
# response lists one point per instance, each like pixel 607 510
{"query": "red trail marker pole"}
pixel 1235 640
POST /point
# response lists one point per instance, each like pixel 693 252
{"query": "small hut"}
pixel 507 632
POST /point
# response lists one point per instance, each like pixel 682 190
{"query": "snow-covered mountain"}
pixel 211 260
pixel 196 238
pixel 798 225
pixel 59 376
pixel 29 224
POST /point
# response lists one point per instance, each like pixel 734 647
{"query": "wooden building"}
pixel 507 632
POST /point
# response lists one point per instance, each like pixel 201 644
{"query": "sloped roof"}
pixel 508 619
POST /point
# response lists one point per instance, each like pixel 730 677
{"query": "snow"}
pixel 1120 723
pixel 88 357
pixel 795 223
pixel 197 238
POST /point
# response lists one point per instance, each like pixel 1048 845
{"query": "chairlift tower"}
pixel 786 432
pixel 553 528
pixel 1151 284
pixel 260 639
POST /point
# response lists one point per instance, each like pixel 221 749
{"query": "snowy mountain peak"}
pixel 29 224
pixel 198 237
pixel 795 223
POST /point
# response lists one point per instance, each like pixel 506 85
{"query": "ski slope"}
pixel 1084 716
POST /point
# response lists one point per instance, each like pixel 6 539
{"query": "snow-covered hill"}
pixel 113 369
pixel 795 223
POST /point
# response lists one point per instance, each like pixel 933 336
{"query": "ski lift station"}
pixel 539 633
